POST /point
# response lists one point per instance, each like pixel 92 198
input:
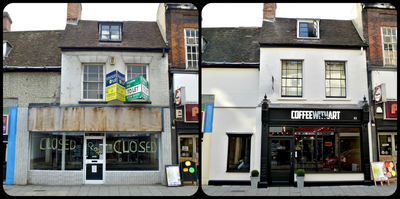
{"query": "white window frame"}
pixel 390 43
pixel 147 71
pixel 346 80
pixel 196 45
pixel 82 78
pixel 307 21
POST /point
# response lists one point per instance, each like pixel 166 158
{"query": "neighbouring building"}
pixel 289 95
pixel 31 74
pixel 379 27
pixel 94 135
pixel 179 25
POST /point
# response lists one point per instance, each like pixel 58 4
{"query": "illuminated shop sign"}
pixel 315 115
pixel 390 110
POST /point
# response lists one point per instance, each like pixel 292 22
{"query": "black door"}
pixel 281 161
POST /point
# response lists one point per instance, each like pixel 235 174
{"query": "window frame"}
pixel 313 22
pixel 287 78
pixel 110 24
pixel 340 79
pixel 196 45
pixel 242 135
pixel 392 43
pixel 137 65
pixel 83 82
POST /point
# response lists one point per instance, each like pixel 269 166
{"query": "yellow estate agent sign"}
pixel 115 86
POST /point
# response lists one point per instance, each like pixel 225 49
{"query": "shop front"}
pixel 96 145
pixel 330 144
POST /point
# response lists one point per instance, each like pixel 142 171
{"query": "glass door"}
pixel 188 148
pixel 94 159
pixel 281 160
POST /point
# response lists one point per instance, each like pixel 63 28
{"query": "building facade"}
pixel 31 74
pixel 179 25
pixel 88 136
pixel 379 25
pixel 300 105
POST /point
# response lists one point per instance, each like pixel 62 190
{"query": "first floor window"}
pixel 192 45
pixel 292 78
pixel 389 42
pixel 133 151
pixel 93 81
pixel 239 153
pixel 335 79
pixel 56 151
pixel 135 71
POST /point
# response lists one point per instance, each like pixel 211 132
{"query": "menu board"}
pixel 390 169
pixel 189 171
pixel 173 175
pixel 379 171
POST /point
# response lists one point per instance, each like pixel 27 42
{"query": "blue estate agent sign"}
pixel 115 86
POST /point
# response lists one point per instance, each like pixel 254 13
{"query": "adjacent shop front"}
pixel 329 143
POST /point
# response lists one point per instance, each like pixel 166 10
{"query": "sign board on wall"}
pixel 192 113
pixel 180 96
pixel 390 110
pixel 115 86
pixel 137 88
pixel 5 124
pixel 380 93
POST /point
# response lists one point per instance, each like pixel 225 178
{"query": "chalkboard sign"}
pixel 188 171
pixel 173 175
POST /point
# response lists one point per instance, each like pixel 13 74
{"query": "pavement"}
pixel 344 190
pixel 224 190
pixel 99 190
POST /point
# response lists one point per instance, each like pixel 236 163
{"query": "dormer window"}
pixel 308 28
pixel 6 49
pixel 110 31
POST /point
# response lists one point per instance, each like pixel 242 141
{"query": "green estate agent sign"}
pixel 137 88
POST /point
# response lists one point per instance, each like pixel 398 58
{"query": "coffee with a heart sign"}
pixel 137 88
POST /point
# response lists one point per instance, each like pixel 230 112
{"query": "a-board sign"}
pixel 379 172
pixel 173 175
pixel 189 171
pixel 390 169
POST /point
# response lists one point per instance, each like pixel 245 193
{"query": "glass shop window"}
pixel 305 147
pixel 132 151
pixel 46 151
pixel 350 155
pixel 239 153
pixel 328 151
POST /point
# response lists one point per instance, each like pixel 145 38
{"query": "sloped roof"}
pixel 231 44
pixel 135 34
pixel 34 48
pixel 282 31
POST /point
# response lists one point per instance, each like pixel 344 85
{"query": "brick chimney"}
pixel 269 11
pixel 74 11
pixel 6 22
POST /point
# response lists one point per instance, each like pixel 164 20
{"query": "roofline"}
pixel 31 68
pixel 248 65
pixel 96 48
pixel 294 45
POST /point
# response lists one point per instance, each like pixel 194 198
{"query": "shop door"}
pixel 188 148
pixel 94 160
pixel 281 161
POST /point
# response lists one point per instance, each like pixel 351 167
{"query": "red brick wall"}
pixel 176 37
pixel 74 12
pixel 372 32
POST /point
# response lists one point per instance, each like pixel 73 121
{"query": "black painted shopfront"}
pixel 321 139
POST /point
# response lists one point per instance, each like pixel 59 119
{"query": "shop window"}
pixel 47 151
pixel 387 144
pixel 239 153
pixel 305 145
pixel 327 146
pixel 350 155
pixel 133 151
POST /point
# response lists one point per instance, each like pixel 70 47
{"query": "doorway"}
pixel 188 148
pixel 281 161
pixel 93 158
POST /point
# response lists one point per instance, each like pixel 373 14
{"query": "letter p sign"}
pixel 195 111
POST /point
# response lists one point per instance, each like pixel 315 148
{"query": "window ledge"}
pixel 92 102
pixel 336 99
pixel 291 99
pixel 138 102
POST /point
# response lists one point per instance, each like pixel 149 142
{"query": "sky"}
pixel 52 16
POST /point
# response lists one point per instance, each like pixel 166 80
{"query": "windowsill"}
pixel 291 99
pixel 92 102
pixel 238 171
pixel 138 102
pixel 336 99
pixel 309 38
